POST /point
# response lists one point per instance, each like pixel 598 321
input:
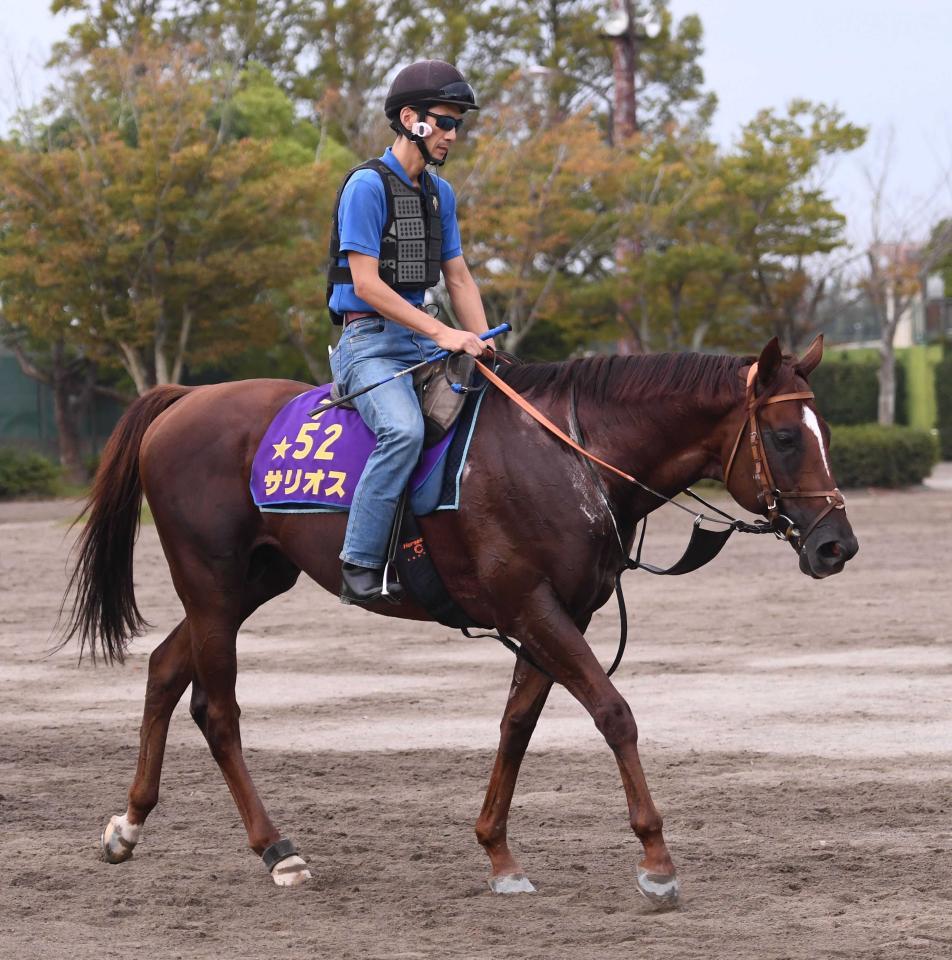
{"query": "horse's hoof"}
pixel 290 872
pixel 118 840
pixel 511 883
pixel 661 890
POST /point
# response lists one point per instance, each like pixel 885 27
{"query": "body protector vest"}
pixel 412 241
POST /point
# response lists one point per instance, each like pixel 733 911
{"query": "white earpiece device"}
pixel 421 129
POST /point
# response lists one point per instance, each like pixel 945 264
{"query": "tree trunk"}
pixel 887 383
pixel 642 342
pixel 624 66
pixel 66 417
pixel 132 361
pixel 68 403
pixel 624 127
pixel 184 332
pixel 674 330
pixel 318 369
pixel 697 338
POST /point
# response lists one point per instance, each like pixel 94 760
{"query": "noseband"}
pixel 767 493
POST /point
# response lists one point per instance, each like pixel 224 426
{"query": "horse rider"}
pixel 394 231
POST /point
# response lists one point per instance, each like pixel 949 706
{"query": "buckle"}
pixel 791 534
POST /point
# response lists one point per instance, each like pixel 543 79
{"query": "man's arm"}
pixel 388 303
pixel 465 297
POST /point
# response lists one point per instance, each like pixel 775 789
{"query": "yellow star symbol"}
pixel 280 449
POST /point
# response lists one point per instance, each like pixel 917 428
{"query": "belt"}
pixel 353 315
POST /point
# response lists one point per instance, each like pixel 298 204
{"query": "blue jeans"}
pixel 370 350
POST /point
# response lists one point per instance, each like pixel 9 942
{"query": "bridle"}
pixel 705 544
pixel 768 493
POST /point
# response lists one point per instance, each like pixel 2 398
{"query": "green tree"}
pixel 939 249
pixel 144 233
pixel 338 54
pixel 562 41
pixel 536 216
pixel 675 203
pixel 783 221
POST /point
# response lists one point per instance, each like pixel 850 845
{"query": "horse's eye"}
pixel 786 438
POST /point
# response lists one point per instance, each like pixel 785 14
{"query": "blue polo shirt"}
pixel 361 217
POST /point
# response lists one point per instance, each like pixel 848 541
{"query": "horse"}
pixel 533 550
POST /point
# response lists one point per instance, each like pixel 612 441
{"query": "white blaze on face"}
pixel 813 425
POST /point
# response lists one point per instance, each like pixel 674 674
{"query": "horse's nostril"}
pixel 830 550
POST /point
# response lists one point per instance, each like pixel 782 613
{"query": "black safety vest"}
pixel 412 241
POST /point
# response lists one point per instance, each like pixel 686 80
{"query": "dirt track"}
pixel 797 737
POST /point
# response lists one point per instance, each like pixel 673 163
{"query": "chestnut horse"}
pixel 669 420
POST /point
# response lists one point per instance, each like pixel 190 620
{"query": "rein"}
pixel 522 403
pixel 704 544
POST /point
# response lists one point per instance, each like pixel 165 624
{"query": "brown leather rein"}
pixel 705 544
pixel 768 492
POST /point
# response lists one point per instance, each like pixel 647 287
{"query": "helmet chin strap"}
pixel 428 157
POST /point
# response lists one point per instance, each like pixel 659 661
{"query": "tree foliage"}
pixel 727 245
pixel 172 212
pixel 732 242
pixel 340 53
pixel 537 218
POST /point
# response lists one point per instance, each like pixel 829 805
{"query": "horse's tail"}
pixel 104 602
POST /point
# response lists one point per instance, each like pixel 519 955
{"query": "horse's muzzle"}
pixel 826 552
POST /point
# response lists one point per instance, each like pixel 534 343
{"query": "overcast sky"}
pixel 888 65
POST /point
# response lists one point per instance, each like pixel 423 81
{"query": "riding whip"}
pixel 439 355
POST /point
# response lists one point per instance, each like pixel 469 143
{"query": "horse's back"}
pixel 232 408
pixel 195 458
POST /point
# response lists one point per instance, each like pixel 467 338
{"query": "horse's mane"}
pixel 606 378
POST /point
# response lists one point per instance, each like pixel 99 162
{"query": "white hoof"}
pixel 511 883
pixel 118 840
pixel 290 872
pixel 662 891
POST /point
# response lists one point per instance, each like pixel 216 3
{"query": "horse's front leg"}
pixel 527 696
pixel 557 645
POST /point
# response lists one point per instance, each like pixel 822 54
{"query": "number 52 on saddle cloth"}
pixel 312 464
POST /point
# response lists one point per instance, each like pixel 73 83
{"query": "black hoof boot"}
pixel 363 585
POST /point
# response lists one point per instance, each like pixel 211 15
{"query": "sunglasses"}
pixel 444 122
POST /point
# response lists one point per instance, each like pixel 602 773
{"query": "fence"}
pixel 26 413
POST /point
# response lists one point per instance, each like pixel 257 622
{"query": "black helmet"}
pixel 426 82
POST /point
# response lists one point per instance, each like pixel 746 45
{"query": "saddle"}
pixel 311 464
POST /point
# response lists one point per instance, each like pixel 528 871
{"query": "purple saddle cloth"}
pixel 314 463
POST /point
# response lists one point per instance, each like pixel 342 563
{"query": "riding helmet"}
pixel 427 82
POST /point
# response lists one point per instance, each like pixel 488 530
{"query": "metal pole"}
pixel 624 65
pixel 624 127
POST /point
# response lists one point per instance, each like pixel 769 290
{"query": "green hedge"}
pixel 847 390
pixel 943 399
pixel 873 456
pixel 23 474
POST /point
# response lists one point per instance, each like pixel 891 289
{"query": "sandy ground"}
pixel 796 735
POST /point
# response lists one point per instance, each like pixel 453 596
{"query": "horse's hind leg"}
pixel 215 611
pixel 201 650
pixel 527 696
pixel 558 646
pixel 170 670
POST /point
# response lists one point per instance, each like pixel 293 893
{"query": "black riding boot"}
pixel 363 585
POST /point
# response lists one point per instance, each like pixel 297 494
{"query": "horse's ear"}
pixel 769 362
pixel 811 359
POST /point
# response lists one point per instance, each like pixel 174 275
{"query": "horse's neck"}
pixel 667 442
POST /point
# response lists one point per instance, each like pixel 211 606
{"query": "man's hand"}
pixel 462 341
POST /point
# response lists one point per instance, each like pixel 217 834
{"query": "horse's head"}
pixel 777 461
